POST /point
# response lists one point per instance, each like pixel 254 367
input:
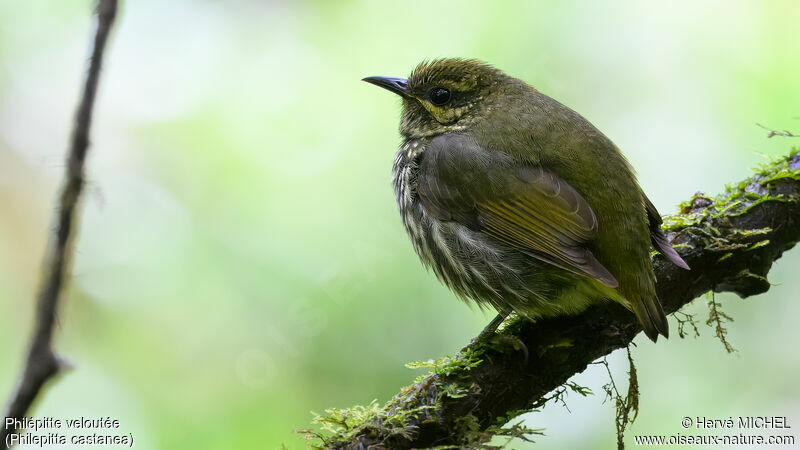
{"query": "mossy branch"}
pixel 730 241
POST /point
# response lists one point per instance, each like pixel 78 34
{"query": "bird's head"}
pixel 445 95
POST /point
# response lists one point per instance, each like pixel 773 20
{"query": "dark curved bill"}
pixel 397 85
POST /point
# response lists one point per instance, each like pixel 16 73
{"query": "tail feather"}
pixel 647 308
pixel 652 318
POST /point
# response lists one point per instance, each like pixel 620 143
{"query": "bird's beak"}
pixel 397 85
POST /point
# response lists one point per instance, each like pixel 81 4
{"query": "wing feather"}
pixel 526 207
pixel 658 238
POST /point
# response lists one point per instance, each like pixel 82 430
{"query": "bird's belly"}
pixel 461 258
pixel 477 267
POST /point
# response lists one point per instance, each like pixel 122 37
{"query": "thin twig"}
pixel 42 364
pixel 772 133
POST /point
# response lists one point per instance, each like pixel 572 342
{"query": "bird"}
pixel 517 202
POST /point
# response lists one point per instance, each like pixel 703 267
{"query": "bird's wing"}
pixel 658 238
pixel 527 207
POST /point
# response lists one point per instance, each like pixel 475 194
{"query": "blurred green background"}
pixel 240 261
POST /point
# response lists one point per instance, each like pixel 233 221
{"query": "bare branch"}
pixel 42 364
pixel 773 133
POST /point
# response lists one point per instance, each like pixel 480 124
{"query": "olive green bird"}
pixel 518 202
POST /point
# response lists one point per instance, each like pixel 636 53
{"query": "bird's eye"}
pixel 439 96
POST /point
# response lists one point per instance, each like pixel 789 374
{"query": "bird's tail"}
pixel 651 316
pixel 647 309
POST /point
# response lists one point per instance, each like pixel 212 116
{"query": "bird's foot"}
pixel 492 327
pixel 504 343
